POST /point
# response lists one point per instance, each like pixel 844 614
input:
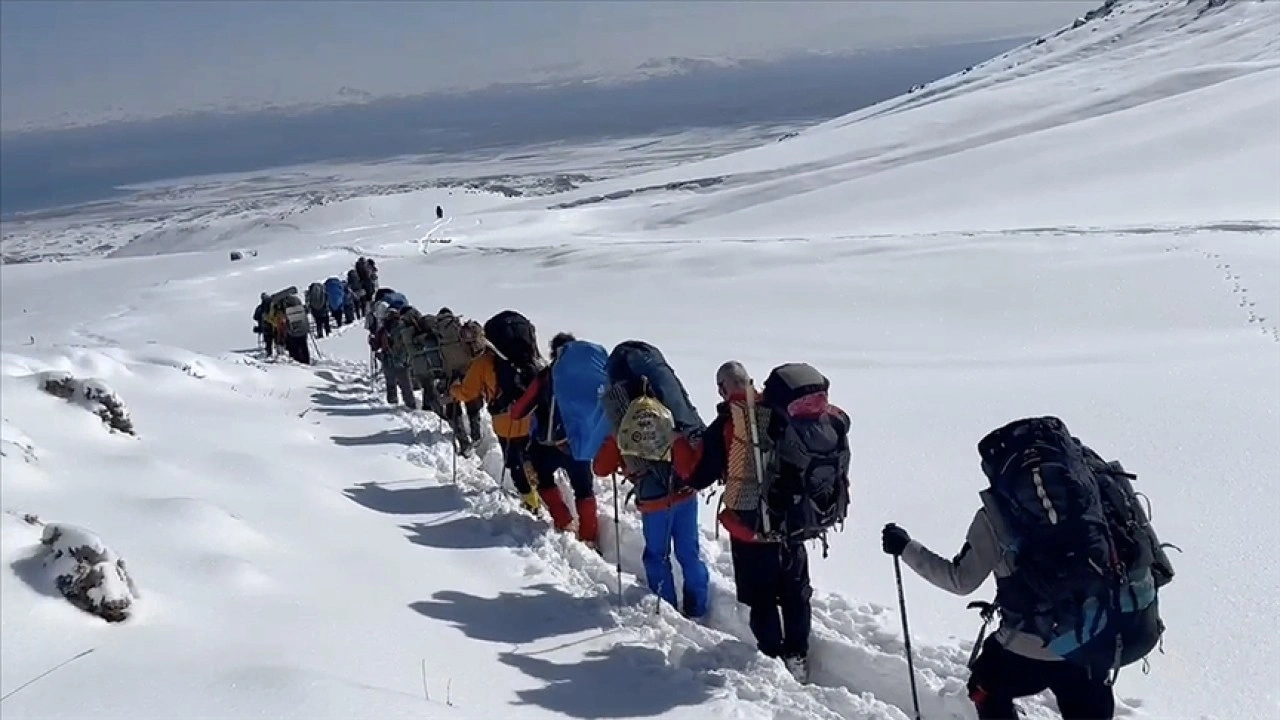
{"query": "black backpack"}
pixel 316 299
pixel 1146 565
pixel 1065 579
pixel 805 486
pixel 513 336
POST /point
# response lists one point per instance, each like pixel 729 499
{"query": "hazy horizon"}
pixel 57 168
pixel 66 63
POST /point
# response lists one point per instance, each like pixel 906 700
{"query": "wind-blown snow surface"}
pixel 303 551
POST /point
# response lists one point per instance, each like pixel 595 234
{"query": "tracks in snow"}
pixel 857 658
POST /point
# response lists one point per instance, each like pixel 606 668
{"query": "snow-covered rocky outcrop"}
pixel 92 395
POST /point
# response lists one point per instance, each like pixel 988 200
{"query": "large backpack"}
pixel 395 300
pixel 316 297
pixel 518 361
pixel 403 337
pixel 1140 552
pixel 634 363
pixel 646 407
pixel 450 353
pixel 578 380
pixel 513 336
pixel 805 486
pixel 1047 509
pixel 355 284
pixel 296 323
pixel 336 292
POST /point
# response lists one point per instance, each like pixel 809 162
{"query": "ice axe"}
pixel 987 611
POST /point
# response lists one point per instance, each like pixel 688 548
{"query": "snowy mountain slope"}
pixel 1159 342
pixel 1018 142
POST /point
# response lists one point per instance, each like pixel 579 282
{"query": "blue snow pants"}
pixel 676 526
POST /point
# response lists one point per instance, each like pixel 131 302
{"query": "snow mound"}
pixel 78 565
pixel 92 395
pixel 13 440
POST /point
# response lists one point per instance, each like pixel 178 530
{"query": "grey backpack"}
pixel 296 323
pixel 316 298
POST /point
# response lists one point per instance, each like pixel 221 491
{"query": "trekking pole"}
pixel 453 434
pixel 906 635
pixel 617 538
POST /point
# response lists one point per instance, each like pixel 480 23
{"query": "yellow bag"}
pixel 647 430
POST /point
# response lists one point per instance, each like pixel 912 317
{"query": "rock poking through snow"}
pixel 87 573
pixel 93 395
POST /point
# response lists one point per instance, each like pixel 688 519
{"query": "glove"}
pixel 894 539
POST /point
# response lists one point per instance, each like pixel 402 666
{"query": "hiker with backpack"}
pixel 336 292
pixel 458 342
pixel 784 461
pixel 500 375
pixel 391 342
pixel 318 307
pixel 285 321
pixel 356 298
pixel 295 328
pixel 568 428
pixel 652 426
pixel 1077 567
pixel 367 276
pixel 262 325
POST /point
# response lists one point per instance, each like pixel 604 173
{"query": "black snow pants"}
pixel 1000 676
pixel 544 460
pixel 772 579
pixel 513 454
pixel 321 318
pixel 298 349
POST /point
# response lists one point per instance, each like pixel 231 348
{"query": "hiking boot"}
pixel 798 666
pixel 464 445
pixel 531 502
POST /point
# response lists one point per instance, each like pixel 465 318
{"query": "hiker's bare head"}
pixel 732 377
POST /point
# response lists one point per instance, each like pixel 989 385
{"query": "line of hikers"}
pixel 1076 561
pixel 284 320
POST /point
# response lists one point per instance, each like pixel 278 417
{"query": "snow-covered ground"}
pixel 224 211
pixel 1088 227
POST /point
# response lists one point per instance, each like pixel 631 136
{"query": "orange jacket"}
pixel 481 382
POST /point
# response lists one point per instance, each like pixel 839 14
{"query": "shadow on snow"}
pixel 432 499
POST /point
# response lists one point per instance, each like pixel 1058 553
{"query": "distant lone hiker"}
pixel 439 213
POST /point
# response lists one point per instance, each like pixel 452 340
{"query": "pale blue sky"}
pixel 64 61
